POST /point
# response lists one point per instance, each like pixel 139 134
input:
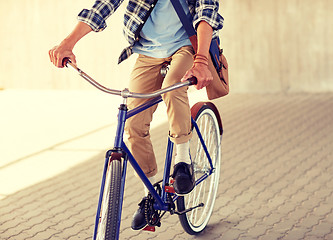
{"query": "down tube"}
pixel 136 167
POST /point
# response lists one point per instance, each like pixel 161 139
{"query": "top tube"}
pixel 126 93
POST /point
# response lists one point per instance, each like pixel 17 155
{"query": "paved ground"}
pixel 276 180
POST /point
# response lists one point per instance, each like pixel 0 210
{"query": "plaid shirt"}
pixel 138 11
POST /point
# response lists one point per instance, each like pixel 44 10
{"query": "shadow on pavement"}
pixel 276 180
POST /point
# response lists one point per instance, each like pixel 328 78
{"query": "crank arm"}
pixel 186 210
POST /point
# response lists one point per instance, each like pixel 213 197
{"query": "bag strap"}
pixel 192 34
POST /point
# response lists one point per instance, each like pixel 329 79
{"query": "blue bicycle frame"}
pixel 161 202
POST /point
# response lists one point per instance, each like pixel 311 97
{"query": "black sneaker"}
pixel 139 220
pixel 183 174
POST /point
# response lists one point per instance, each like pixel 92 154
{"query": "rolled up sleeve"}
pixel 207 10
pixel 96 16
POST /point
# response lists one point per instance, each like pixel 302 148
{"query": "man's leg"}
pixel 179 114
pixel 145 78
pixel 178 108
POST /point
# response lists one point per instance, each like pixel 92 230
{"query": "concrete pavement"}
pixel 276 178
pixel 41 132
pixel 45 132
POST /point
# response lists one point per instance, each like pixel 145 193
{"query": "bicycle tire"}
pixel 210 126
pixel 108 227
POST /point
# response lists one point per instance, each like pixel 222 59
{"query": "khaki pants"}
pixel 146 77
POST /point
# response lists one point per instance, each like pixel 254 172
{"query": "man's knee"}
pixel 136 128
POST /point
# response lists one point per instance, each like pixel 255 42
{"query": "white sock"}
pixel 152 181
pixel 183 153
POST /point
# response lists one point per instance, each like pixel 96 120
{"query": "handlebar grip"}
pixel 65 61
pixel 193 81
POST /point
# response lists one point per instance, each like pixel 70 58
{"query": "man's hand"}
pixel 58 53
pixel 202 73
pixel 65 48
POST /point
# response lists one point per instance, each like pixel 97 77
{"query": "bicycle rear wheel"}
pixel 210 127
pixel 108 227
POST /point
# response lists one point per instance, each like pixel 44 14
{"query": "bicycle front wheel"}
pixel 109 222
pixel 209 124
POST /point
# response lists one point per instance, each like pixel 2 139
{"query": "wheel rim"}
pixel 206 191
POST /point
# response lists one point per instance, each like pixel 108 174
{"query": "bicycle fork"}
pixel 115 154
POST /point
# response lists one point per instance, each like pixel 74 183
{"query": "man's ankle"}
pixel 152 181
pixel 183 153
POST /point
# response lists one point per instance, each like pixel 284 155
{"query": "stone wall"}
pixel 271 46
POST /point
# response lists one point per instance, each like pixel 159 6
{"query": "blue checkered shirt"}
pixel 138 11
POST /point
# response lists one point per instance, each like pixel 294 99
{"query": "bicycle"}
pixel 194 209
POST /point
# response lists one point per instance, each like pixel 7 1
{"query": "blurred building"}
pixel 271 45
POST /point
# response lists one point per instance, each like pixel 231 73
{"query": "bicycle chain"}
pixel 152 216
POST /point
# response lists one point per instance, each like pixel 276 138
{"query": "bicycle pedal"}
pixel 169 189
pixel 149 228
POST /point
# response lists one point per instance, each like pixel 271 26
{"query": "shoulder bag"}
pixel 217 63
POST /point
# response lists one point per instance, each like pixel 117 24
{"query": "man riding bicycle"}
pixel 156 34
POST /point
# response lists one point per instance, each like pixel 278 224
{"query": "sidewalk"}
pixel 45 132
pixel 276 177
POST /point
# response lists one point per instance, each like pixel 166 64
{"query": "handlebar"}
pixel 126 93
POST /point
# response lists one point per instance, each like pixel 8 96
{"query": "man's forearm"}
pixel 204 35
pixel 79 31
